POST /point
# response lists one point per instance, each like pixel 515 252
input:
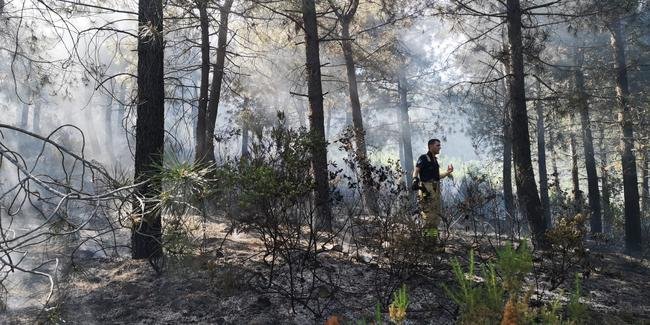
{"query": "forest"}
pixel 324 162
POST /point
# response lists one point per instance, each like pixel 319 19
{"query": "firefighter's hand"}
pixel 450 169
pixel 416 184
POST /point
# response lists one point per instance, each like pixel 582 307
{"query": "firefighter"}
pixel 426 179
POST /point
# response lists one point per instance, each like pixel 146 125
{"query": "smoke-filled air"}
pixel 324 162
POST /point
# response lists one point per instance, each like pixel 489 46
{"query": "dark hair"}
pixel 432 141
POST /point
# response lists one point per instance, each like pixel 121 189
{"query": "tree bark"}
pixel 588 146
pixel 524 175
pixel 24 116
pixel 645 190
pixel 316 118
pixel 628 159
pixel 217 79
pixel 508 196
pixel 541 161
pixel 556 173
pixel 405 127
pixel 608 218
pixel 200 134
pixel 575 175
pixel 147 229
pixel 369 194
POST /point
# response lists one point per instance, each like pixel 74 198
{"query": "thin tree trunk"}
pixel 244 142
pixel 556 172
pixel 645 190
pixel 24 116
pixel 36 118
pixel 541 161
pixel 328 123
pixel 524 175
pixel 508 196
pixel 217 79
pixel 608 218
pixel 121 109
pixel 108 129
pixel 200 133
pixel 405 127
pixel 300 110
pixel 400 145
pixel 630 183
pixel 575 175
pixel 150 130
pixel 590 160
pixel 369 194
pixel 316 118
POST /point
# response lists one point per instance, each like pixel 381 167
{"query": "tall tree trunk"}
pixel 556 172
pixel 524 175
pixel 245 138
pixel 24 116
pixel 217 79
pixel 300 110
pixel 121 109
pixel 541 161
pixel 36 118
pixel 108 129
pixel 328 122
pixel 630 183
pixel 200 134
pixel 369 194
pixel 588 145
pixel 575 175
pixel 608 218
pixel 400 145
pixel 508 196
pixel 405 127
pixel 150 130
pixel 316 118
pixel 645 190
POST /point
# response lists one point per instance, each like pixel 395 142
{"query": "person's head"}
pixel 434 146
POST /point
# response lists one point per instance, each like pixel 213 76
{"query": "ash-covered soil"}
pixel 226 286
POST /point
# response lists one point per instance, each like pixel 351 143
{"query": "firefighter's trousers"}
pixel 430 203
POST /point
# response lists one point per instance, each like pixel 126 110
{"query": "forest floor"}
pixel 215 288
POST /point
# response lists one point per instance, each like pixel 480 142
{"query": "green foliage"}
pixel 567 248
pixel 551 314
pixel 484 300
pixel 378 319
pixel 478 303
pixel 577 311
pixel 185 185
pixel 397 309
pixel 513 265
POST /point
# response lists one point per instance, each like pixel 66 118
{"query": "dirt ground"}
pixel 217 287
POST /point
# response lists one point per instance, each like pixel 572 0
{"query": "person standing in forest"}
pixel 426 179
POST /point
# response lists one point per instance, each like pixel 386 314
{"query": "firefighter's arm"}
pixel 450 169
pixel 416 178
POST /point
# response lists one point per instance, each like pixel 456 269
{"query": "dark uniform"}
pixel 429 194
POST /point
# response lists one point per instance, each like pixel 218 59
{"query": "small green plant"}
pixel 397 309
pixel 378 319
pixel 513 265
pixel 483 301
pixel 577 311
pixel 478 303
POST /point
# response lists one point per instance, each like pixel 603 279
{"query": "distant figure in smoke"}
pixel 426 179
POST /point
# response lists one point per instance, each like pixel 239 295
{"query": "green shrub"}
pixel 397 309
pixel 498 297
